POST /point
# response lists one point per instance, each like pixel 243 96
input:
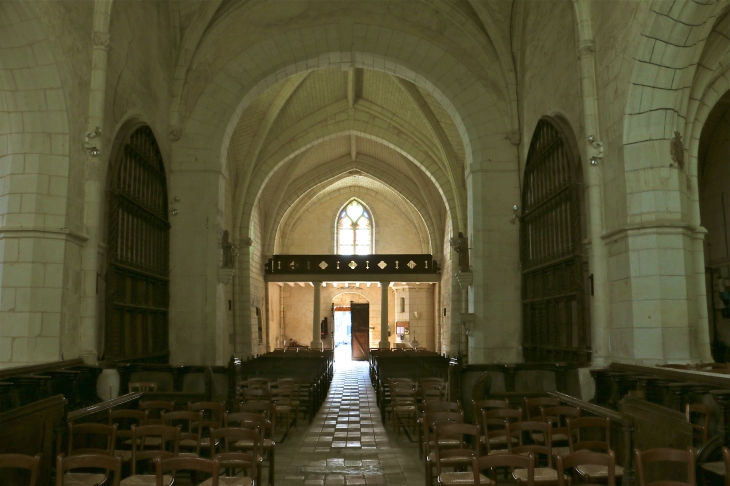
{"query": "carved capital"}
pixel 102 40
pixel 175 133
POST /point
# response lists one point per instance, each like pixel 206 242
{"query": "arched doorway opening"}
pixel 714 194
pixel 350 325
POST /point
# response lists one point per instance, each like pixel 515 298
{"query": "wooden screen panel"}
pixel 554 314
pixel 138 234
pixel 360 317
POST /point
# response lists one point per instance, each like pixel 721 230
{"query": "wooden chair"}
pixel 467 438
pixel 557 417
pixel 511 461
pixel 91 435
pixel 193 464
pixel 142 386
pixel 154 409
pixel 189 434
pixel 491 404
pixel 110 464
pixel 166 445
pixel 532 406
pixel 698 416
pixel 586 459
pixel 666 455
pixel 285 398
pixel 299 400
pixel 718 468
pixel 265 428
pixel 432 407
pixel 592 427
pixel 403 410
pixel 212 419
pixel 227 438
pixel 543 475
pixel 431 421
pixel 124 419
pixel 21 461
pixel 495 435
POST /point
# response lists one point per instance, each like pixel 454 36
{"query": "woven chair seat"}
pixel 449 461
pixel 541 474
pixel 444 443
pixel 229 481
pixel 145 480
pixel 713 467
pixel 188 443
pixel 78 479
pixel 404 408
pixel 596 471
pixel 457 478
pixel 242 444
pixel 500 439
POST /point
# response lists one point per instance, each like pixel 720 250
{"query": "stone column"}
pixel 316 319
pixel 384 343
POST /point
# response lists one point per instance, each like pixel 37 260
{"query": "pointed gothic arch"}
pixel 354 229
pixel 555 315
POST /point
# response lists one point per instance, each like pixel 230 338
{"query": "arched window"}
pixel 354 230
pixel 554 310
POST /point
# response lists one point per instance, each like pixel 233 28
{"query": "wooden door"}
pixel 360 316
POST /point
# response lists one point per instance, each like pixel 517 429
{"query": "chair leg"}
pixel 271 466
pixel 429 473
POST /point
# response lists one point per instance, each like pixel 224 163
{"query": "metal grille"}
pixel 555 324
pixel 137 293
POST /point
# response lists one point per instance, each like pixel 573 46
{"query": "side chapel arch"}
pixel 137 271
pixel 555 314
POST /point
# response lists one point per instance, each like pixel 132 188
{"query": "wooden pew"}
pixel 511 381
pixel 26 384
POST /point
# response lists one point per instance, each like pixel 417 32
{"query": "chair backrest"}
pixel 519 429
pixel 166 445
pixel 92 436
pixel 666 454
pixel 494 424
pixel 212 411
pixel 197 464
pixel 142 386
pixel 466 434
pixel 698 416
pixel 187 421
pixel 256 395
pixel 227 436
pixel 558 416
pixel 491 404
pixel 587 458
pixel 21 461
pixel 526 461
pixel 576 432
pixel 154 409
pixel 104 462
pixel 532 406
pixel 248 420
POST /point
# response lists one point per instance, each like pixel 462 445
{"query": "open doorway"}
pixel 343 333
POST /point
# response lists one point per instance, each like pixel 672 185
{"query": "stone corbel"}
pixel 225 275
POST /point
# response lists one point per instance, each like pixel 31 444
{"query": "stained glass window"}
pixel 354 230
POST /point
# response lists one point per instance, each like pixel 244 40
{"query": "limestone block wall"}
pixel 314 233
pixel 298 307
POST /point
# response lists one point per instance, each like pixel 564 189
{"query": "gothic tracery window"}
pixel 354 230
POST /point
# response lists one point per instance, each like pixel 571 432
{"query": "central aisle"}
pixel 347 443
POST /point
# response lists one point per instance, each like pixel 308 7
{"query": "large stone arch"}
pixel 40 238
pixel 325 176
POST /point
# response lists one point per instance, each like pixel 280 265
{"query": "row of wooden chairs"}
pixel 112 467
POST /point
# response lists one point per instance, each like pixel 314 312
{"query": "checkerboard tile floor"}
pixel 346 442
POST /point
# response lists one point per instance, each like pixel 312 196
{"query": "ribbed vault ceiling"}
pixel 331 132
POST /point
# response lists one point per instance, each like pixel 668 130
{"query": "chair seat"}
pixel 242 444
pixel 595 471
pixel 445 443
pixel 145 480
pixel 404 408
pixel 498 451
pixel 500 439
pixel 715 467
pixel 456 478
pixel 448 461
pixel 541 474
pixel 124 454
pixel 189 443
pixel 74 479
pixel 187 454
pixel 229 481
pixel 204 442
pixel 561 451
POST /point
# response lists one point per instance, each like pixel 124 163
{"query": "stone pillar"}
pixel 493 188
pixel 384 343
pixel 316 319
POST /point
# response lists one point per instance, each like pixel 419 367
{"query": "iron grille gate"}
pixel 137 293
pixel 555 324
